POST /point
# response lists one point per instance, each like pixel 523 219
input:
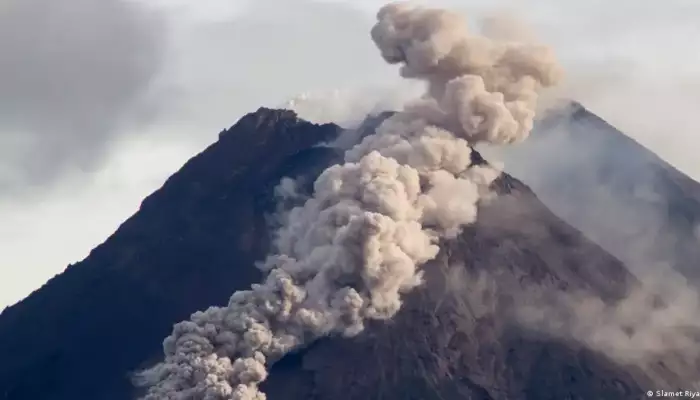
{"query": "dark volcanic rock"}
pixel 617 192
pixel 439 347
pixel 191 243
pixel 194 241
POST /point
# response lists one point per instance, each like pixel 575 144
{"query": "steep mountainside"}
pixel 191 243
pixel 194 241
pixel 618 193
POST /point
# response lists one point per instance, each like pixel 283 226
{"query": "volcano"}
pixel 195 241
pixel 623 196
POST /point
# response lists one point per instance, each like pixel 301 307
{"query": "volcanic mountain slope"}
pixel 618 193
pixel 194 242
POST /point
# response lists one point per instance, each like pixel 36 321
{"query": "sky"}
pixel 101 100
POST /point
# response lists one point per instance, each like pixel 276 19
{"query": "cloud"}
pixel 195 84
pixel 71 74
pixel 265 53
pixel 634 65
pixel 88 211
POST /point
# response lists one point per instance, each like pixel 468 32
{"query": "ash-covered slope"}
pixel 195 241
pixel 618 193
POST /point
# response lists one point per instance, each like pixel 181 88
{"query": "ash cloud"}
pixel 352 250
pixel 70 74
pixel 655 329
pixel 651 327
pixel 650 324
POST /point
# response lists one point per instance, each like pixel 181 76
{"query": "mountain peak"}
pixel 622 195
pixel 196 240
pixel 263 119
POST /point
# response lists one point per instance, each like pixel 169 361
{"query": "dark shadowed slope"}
pixel 617 192
pixel 194 242
pixel 191 243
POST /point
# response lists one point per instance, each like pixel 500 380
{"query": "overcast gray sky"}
pixel 100 100
pixel 71 73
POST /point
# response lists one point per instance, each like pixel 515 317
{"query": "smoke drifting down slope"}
pixel 349 253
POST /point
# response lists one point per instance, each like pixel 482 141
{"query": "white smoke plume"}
pixel 350 252
pixel 348 108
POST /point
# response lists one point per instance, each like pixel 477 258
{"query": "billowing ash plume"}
pixel 349 253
